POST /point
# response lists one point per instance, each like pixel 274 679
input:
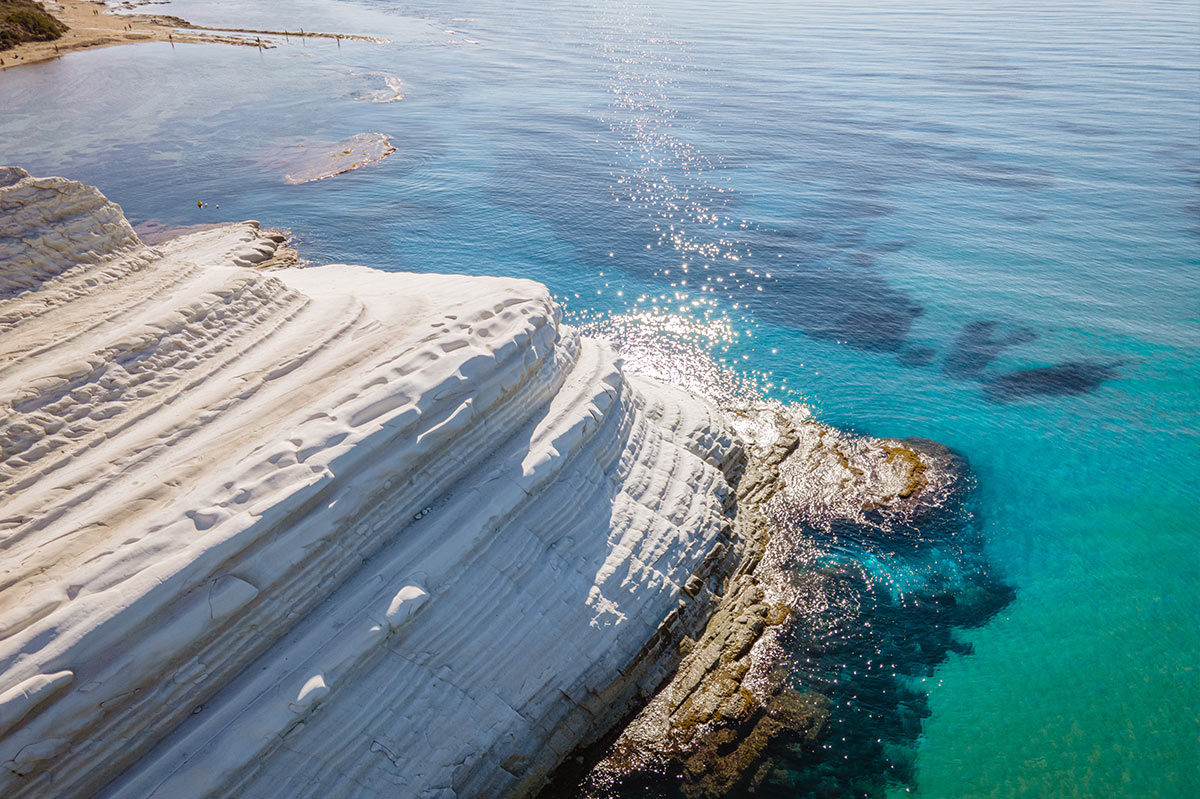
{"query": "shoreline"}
pixel 374 514
pixel 652 621
pixel 92 25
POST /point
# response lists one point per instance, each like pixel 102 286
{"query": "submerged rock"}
pixel 332 531
pixel 1067 378
pixel 327 160
pixel 708 731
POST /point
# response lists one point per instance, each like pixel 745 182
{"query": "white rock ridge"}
pixel 320 532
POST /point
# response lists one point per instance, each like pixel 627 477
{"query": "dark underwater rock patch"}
pixel 1065 379
pixel 846 305
pixel 994 173
pixel 917 356
pixel 980 343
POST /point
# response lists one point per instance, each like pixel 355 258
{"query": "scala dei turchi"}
pixel 271 531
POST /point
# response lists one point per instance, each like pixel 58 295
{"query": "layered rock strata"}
pixel 324 531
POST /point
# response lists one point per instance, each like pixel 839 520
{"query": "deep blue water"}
pixel 975 223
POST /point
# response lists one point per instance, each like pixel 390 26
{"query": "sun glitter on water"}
pixel 682 351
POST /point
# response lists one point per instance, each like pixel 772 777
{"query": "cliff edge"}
pixel 332 531
pixel 323 531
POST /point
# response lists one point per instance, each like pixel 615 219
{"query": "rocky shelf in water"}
pixel 707 732
pixel 324 161
pixel 332 531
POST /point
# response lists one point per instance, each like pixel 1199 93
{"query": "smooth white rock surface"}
pixel 317 532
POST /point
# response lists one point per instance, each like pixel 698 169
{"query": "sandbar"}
pixel 92 25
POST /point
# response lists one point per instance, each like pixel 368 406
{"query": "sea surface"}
pixel 977 223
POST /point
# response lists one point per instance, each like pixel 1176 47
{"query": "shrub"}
pixel 26 21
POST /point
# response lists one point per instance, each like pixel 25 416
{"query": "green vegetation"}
pixel 26 21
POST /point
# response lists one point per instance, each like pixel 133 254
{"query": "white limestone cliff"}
pixel 321 532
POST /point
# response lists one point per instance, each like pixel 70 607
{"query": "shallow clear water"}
pixel 886 212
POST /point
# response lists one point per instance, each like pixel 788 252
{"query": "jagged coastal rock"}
pixel 708 730
pixel 330 531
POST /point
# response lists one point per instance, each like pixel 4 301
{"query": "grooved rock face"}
pixel 326 531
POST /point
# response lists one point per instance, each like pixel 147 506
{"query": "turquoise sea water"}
pixel 975 223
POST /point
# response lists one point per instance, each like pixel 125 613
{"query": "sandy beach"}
pixel 93 25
